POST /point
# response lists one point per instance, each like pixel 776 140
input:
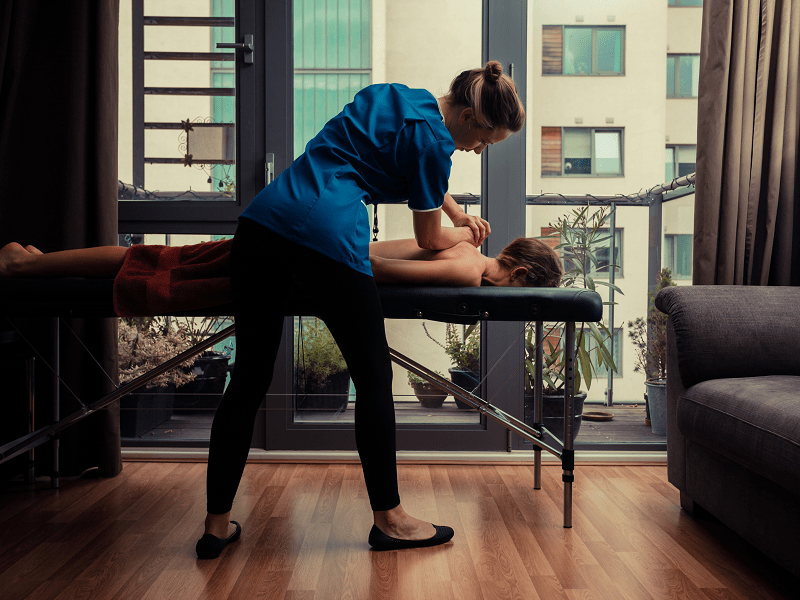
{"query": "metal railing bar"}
pixel 199 56
pixel 191 21
pixel 189 91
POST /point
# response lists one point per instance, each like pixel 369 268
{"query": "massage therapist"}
pixel 310 226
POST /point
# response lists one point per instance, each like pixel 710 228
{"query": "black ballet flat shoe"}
pixel 210 546
pixel 380 541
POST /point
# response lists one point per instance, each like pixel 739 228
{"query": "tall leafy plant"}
pixel 582 235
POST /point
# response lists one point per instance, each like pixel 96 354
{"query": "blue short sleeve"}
pixel 429 177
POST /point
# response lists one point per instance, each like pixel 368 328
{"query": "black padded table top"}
pixel 94 298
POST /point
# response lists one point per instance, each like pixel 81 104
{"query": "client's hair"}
pixel 542 262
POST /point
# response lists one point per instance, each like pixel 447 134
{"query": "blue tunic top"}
pixel 388 145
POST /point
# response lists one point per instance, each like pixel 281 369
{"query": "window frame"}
pixel 679 4
pixel 670 255
pixel 617 355
pixel 254 134
pixel 673 94
pixel 595 72
pixel 676 149
pixel 593 174
pixel 618 248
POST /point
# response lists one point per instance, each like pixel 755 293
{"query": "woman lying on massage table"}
pixel 525 262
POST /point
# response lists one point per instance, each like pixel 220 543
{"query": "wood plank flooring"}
pixel 305 532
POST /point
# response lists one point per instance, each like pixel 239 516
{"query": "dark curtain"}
pixel 746 213
pixel 58 190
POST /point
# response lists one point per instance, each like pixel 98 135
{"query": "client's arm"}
pixel 457 273
pixel 403 261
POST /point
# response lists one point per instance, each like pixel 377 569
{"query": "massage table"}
pixel 72 297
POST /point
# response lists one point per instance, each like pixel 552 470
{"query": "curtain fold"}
pixel 58 181
pixel 746 229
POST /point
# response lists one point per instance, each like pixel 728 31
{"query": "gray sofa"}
pixel 733 410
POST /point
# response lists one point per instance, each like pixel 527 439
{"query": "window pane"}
pixel 609 51
pixel 683 256
pixel 601 371
pixel 577 151
pixel 670 76
pixel 603 254
pixel 180 142
pixel 689 74
pixel 687 158
pixel 578 50
pixel 607 154
pixel 670 164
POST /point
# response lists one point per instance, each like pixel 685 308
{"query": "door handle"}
pixel 246 47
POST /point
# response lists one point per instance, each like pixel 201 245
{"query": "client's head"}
pixel 531 263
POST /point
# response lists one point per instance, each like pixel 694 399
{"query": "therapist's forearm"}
pixel 443 237
pixel 451 207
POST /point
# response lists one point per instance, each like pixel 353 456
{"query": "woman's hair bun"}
pixel 493 70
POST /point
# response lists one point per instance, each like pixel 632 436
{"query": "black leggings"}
pixel 264 266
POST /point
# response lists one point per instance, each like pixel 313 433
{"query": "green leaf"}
pixel 586 366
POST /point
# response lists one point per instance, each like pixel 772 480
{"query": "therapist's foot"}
pixel 219 525
pixel 397 523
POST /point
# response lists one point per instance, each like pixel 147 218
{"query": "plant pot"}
pixel 332 395
pixel 205 392
pixel 145 410
pixel 469 380
pixel 553 413
pixel 429 395
pixel 657 401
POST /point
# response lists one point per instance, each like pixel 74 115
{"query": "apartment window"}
pixel 685 2
pixel 601 371
pixel 599 264
pixel 583 50
pixel 683 75
pixel 680 161
pixel 581 151
pixel 678 255
pixel 332 58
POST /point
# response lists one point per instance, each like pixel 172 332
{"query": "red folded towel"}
pixel 157 280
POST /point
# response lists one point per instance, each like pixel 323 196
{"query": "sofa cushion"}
pixel 754 421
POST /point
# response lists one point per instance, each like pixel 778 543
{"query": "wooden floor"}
pixel 305 536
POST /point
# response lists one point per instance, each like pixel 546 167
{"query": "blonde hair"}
pixel 491 95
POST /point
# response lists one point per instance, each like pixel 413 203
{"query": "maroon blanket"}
pixel 157 280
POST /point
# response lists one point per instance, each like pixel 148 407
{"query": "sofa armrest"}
pixel 733 331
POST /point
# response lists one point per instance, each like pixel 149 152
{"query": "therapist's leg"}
pixel 260 287
pixel 352 311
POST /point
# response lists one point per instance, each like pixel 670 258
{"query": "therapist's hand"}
pixel 480 227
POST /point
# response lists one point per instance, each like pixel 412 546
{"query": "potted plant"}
pixel 650 341
pixel 428 394
pixel 145 343
pixel 464 350
pixel 322 381
pixel 205 391
pixel 581 236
